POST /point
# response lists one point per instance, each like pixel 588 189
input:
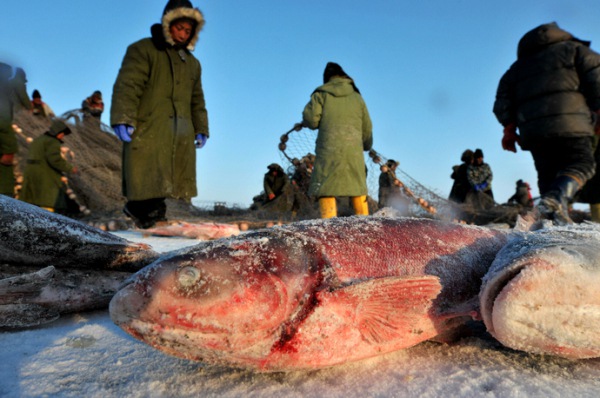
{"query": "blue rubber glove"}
pixel 480 187
pixel 123 131
pixel 200 140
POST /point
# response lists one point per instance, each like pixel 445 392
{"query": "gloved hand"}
pixel 271 196
pixel 510 138
pixel 200 140
pixel 123 131
pixel 7 159
pixel 480 187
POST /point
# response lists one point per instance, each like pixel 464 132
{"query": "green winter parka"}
pixel 42 185
pixel 12 89
pixel 158 91
pixel 345 131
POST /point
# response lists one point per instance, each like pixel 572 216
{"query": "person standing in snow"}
pixel 42 178
pixel 551 93
pixel 339 112
pixel 479 175
pixel 461 185
pixel 13 91
pixel 159 113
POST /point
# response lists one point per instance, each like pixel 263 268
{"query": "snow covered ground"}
pixel 86 355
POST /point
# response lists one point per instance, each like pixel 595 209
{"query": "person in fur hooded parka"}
pixel 159 113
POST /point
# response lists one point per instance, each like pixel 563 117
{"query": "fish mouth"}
pixel 546 304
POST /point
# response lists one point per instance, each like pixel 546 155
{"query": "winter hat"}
pixel 333 69
pixel 36 94
pixel 57 127
pixel 182 9
pixel 478 153
pixel 97 93
pixel 466 156
pixel 392 163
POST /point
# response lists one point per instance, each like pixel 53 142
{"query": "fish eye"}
pixel 189 276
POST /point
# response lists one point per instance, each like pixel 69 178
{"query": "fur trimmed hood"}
pixel 182 9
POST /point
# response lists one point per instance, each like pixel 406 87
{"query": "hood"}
pixel 181 9
pixel 338 87
pixel 543 36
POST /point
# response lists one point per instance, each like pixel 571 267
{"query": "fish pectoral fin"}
pixel 389 308
pixel 26 285
pixel 26 315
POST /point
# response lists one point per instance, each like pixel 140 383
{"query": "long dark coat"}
pixel 159 92
pixel 12 89
pixel 345 131
pixel 42 184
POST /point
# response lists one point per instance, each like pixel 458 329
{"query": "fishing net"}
pixel 297 148
pixel 95 190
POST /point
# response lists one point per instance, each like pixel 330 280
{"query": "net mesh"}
pixel 421 201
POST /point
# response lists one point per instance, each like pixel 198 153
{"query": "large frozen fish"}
pixel 30 296
pixel 310 294
pixel 542 294
pixel 50 264
pixel 31 236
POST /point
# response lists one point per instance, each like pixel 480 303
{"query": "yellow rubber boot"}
pixel 360 205
pixel 595 211
pixel 328 207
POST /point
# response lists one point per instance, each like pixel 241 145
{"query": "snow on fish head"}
pixel 218 300
pixel 541 294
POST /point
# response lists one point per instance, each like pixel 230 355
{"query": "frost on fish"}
pixel 31 297
pixel 541 294
pixel 310 294
pixel 30 236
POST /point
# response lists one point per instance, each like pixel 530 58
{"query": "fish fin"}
pixel 386 309
pixel 26 285
pixel 26 315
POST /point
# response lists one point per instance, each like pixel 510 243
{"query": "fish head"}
pixel 541 294
pixel 218 298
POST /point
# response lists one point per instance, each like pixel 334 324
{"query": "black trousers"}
pixel 555 157
pixel 150 210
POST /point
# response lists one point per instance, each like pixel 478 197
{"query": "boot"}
pixel 595 212
pixel 328 207
pixel 554 204
pixel 360 205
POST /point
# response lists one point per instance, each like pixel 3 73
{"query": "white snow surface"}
pixel 86 355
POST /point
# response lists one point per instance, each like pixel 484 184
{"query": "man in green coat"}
pixel 12 87
pixel 159 113
pixel 42 178
pixel 339 112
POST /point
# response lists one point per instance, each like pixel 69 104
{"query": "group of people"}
pixel 472 181
pixel 550 95
pixel 45 166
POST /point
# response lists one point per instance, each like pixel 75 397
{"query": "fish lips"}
pixel 545 301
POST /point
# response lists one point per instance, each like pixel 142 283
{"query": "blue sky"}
pixel 428 71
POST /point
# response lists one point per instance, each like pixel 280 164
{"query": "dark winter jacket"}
pixel 552 88
pixel 275 184
pixel 159 92
pixel 345 131
pixel 42 185
pixel 461 185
